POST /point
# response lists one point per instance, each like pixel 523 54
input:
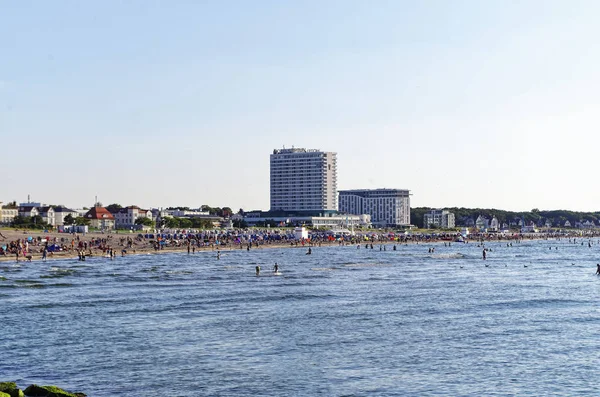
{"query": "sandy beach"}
pixel 117 241
pixel 96 244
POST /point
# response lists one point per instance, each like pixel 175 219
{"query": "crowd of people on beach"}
pixel 107 245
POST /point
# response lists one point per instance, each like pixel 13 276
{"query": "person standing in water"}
pixel 275 268
pixel 484 254
pixel 598 268
pixel 257 270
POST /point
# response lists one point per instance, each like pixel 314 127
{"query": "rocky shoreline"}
pixel 10 389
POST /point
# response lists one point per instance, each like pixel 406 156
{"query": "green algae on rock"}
pixel 7 386
pixel 49 391
pixel 11 389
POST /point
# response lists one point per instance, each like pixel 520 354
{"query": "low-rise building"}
pixel 47 214
pixel 530 228
pixel 482 223
pixel 126 217
pixel 494 225
pixel 28 211
pixel 186 213
pixel 587 225
pixel 100 218
pixel 60 213
pixel 439 218
pixel 325 220
pixel 7 214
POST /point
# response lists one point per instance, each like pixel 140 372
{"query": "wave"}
pixel 367 265
pixel 456 255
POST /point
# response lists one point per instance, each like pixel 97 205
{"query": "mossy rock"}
pixel 49 391
pixel 2 394
pixel 11 389
pixel 7 386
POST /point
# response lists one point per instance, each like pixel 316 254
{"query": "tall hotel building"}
pixel 387 207
pixel 303 180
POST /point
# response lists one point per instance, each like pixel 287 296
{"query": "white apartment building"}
pixel 46 212
pixel 303 180
pixel 387 207
pixel 441 218
pixel 60 213
pixel 127 216
pixel 186 213
pixel 7 214
pixel 339 221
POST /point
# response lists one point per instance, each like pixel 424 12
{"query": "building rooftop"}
pixel 295 150
pixel 62 209
pixel 99 213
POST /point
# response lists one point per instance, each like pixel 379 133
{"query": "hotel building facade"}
pixel 387 207
pixel 303 180
pixel 440 218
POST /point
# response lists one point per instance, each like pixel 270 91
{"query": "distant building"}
pixel 7 214
pixel 47 214
pixel 529 228
pixel 482 223
pixel 30 204
pixel 387 207
pixel 440 218
pixel 100 218
pixel 126 217
pixel 60 213
pixel 494 225
pixel 28 211
pixel 567 223
pixel 588 225
pixel 186 213
pixel 330 220
pixel 303 180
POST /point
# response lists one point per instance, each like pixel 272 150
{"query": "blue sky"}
pixel 466 103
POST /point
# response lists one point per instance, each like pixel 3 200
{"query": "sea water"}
pixel 340 322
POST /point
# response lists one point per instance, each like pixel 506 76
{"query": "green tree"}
pixel 81 221
pixel 144 221
pixel 171 223
pixel 112 208
pixel 240 224
pixel 19 221
pixel 69 220
pixel 38 220
pixel 226 212
pixel 185 223
pixel 199 223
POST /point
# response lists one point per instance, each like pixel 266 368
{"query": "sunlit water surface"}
pixel 340 322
